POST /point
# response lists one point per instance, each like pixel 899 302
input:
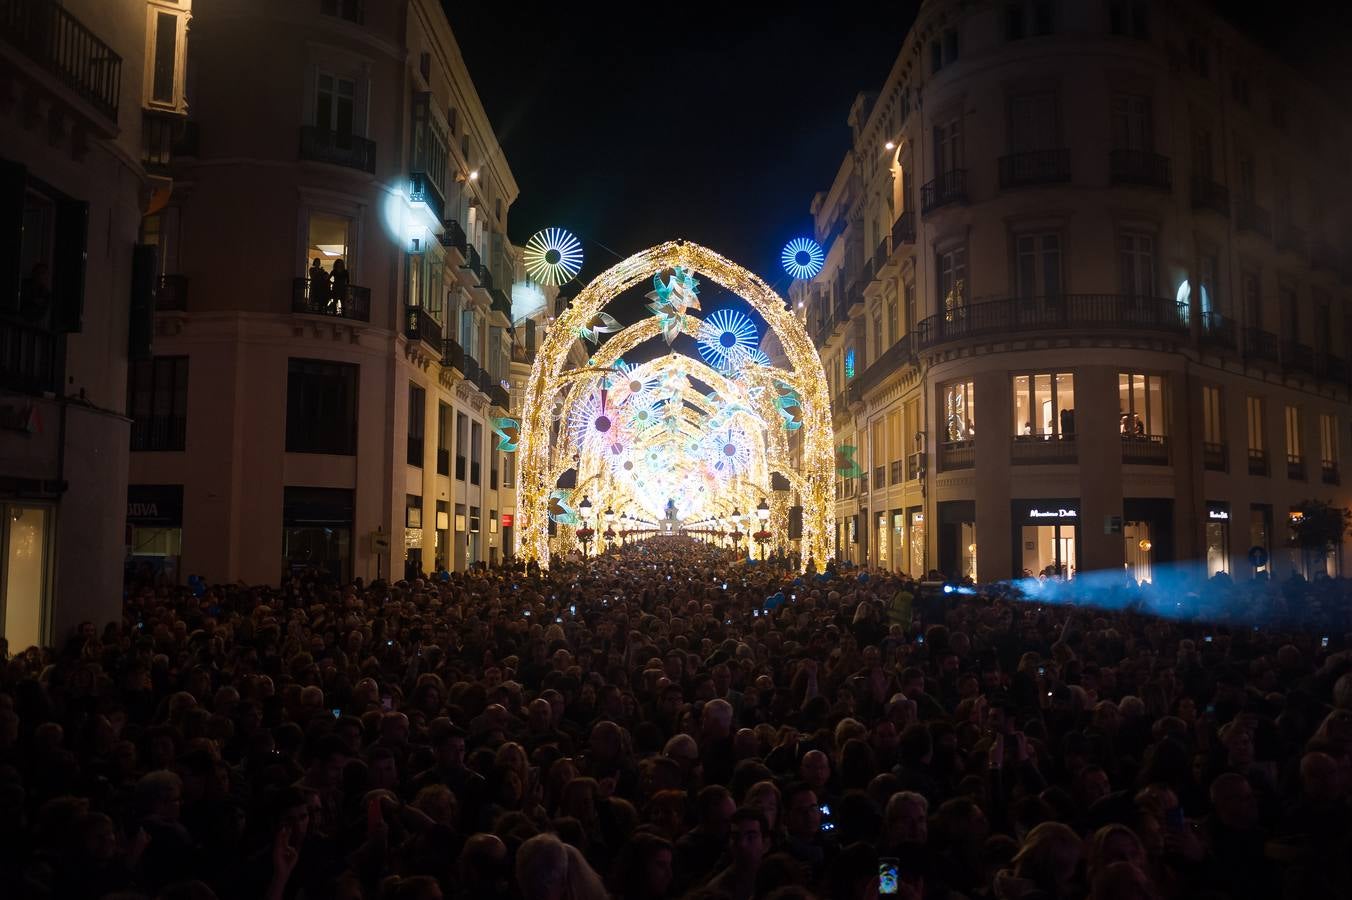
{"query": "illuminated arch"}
pixel 813 478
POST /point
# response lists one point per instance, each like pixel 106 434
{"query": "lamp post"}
pixel 584 533
pixel 763 513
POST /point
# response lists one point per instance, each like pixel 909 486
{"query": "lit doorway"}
pixel 1049 550
pixel 1138 551
pixel 25 537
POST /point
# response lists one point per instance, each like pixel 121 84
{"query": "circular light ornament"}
pixel 803 258
pixel 553 256
pixel 726 339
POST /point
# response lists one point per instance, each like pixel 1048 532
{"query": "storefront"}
pixel 1147 535
pixel 155 531
pixel 916 516
pixel 1046 537
pixel 25 588
pixel 957 539
pixel 1217 537
pixel 317 531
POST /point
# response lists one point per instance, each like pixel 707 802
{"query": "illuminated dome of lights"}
pixel 803 258
pixel 553 256
pixel 697 439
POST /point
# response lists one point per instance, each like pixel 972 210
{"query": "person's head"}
pixel 1123 881
pixel 715 806
pixel 815 769
pixel 448 743
pixel 716 720
pixel 1113 844
pixel 764 796
pixel 1233 800
pixel 437 803
pixel 750 835
pixel 907 818
pixel 802 817
pixel 1091 785
pixel 548 869
pixel 160 794
pixel 1049 857
pixel 645 867
pixel 1320 779
pixel 666 812
pixel 96 837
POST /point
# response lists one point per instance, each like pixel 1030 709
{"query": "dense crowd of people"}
pixel 668 721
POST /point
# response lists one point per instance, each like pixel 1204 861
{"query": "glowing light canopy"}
pixel 553 256
pixel 803 258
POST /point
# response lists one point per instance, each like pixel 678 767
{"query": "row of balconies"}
pixel 61 44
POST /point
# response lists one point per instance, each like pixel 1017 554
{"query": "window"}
pixel 335 99
pixel 892 334
pixel 1141 405
pixel 413 512
pixel 1202 155
pixel 1129 18
pixel 461 443
pixel 1253 303
pixel 1289 303
pixel 1255 416
pixel 1239 89
pixel 1136 256
pixel 444 425
pixel 908 294
pixel 1132 122
pixel 157 402
pixel 1207 267
pixel 1212 429
pixel 1037 259
pixel 948 146
pixel 317 531
pixel 849 364
pixel 950 47
pixel 321 407
pixel 351 10
pixel 1295 457
pixel 877 334
pixel 1248 174
pixel 417 413
pixel 166 34
pixel 1034 123
pixel 329 241
pixel 1029 17
pixel 952 266
pixel 1328 440
pixel 959 411
pixel 1044 405
pixel 475 453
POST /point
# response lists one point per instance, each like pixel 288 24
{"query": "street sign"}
pixel 380 543
pixel 1258 557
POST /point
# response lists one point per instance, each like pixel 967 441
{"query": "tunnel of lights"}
pixel 683 438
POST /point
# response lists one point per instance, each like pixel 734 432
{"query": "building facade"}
pixel 332 331
pixel 1082 308
pixel 74 80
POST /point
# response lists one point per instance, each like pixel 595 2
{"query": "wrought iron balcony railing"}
pixel 60 43
pixel 159 433
pixel 1260 344
pixel 350 302
pixel 336 148
pixel 164 138
pixel 1295 467
pixel 172 293
pixel 948 187
pixel 1251 217
pixel 1043 449
pixel 1218 330
pixel 1145 449
pixel 453 235
pixel 452 354
pixel 903 230
pixel 1035 167
pixel 1092 312
pixel 420 326
pixel 1140 167
pixel 1215 457
pixel 27 358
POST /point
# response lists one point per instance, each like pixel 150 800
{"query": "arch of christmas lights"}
pixel 675 432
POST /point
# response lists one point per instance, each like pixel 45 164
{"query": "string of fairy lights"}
pixel 683 438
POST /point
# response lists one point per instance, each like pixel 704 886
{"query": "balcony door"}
pixel 1037 263
pixel 948 146
pixel 335 103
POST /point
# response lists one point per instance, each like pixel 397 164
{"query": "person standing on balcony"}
pixel 339 288
pixel 319 286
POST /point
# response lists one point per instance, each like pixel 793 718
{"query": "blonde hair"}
pixel 546 867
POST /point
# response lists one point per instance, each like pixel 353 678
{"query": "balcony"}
pixel 453 236
pixel 349 10
pixel 956 455
pixel 347 150
pixel 172 294
pixel 1208 195
pixel 1034 167
pixel 1258 462
pixel 1218 331
pixel 903 230
pixel 1295 467
pixel 1261 345
pixel 895 472
pixel 1215 457
pixel 485 277
pixel 501 303
pixel 485 383
pixel 459 468
pixel 1045 450
pixel 27 359
pixel 1290 238
pixel 1251 217
pixel 422 188
pixel 1145 449
pixel 352 302
pixel 164 138
pixel 1330 367
pixel 1298 357
pixel 452 354
pixel 915 466
pixel 1328 472
pixel 1141 168
pixel 472 262
pixel 948 187
pixel 159 433
pixel 420 326
pixel 443 461
pixel 499 397
pixel 1068 312
pixel 58 42
pixel 471 370
pixel 880 258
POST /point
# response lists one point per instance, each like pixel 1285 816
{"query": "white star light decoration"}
pixel 594 422
pixel 553 256
pixel 726 340
pixel 803 258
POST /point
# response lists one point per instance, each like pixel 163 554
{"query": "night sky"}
pixel 721 123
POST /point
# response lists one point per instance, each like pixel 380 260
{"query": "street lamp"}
pixel 585 532
pixel 763 513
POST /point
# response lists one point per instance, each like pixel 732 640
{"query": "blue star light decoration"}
pixel 727 339
pixel 803 258
pixel 672 298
